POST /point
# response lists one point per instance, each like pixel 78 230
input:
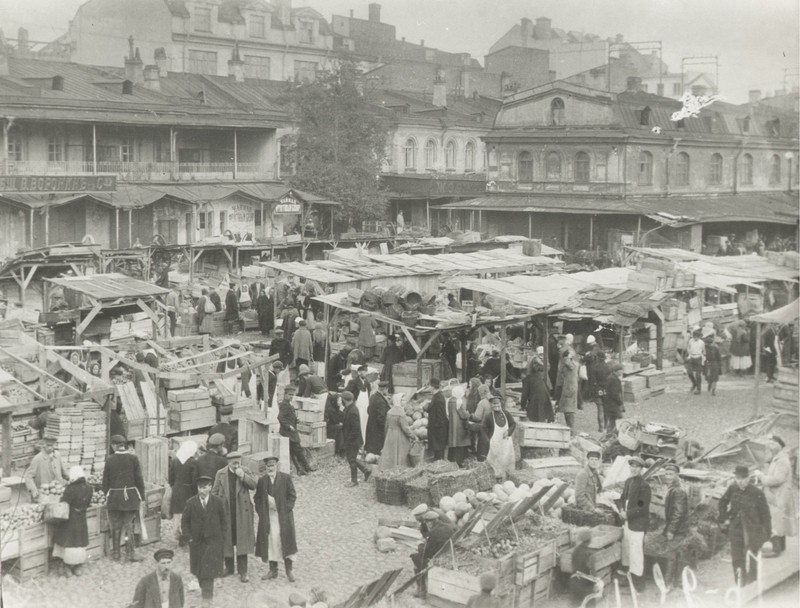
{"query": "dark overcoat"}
pixel 636 502
pixel 208 464
pixel 283 493
pixel 74 531
pixel 351 429
pixel 123 483
pixel 205 529
pixel 438 425
pixel 376 423
pixel 148 595
pixel 287 419
pixel 182 481
pixel 243 517
pixel 536 398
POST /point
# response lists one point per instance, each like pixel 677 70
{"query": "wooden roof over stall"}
pixel 110 287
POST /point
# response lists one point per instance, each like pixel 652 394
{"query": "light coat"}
pixel 285 496
pixel 302 344
pixel 780 495
pixel 568 403
pixel 245 532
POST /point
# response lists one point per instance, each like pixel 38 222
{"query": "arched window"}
pixel 747 169
pixel 553 166
pixel 557 112
pixel 55 147
pixel 410 154
pixel 715 174
pixel 645 169
pixel 525 168
pixel 682 166
pixel 775 170
pixel 450 155
pixel 469 156
pixel 582 168
pixel 430 154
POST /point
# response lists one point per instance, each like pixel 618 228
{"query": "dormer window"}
pixel 257 26
pixel 644 117
pixel 680 124
pixel 746 124
pixel 557 112
pixel 305 32
pixel 774 128
pixel 202 19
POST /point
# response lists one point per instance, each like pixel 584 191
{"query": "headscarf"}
pixel 472 395
pixel 397 400
pixel 484 391
pixel 76 473
pixel 186 451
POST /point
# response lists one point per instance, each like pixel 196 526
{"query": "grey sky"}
pixel 756 40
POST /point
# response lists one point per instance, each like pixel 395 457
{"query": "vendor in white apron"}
pixel 635 511
pixel 499 427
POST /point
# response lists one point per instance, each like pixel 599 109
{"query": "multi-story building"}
pixel 275 41
pixel 593 169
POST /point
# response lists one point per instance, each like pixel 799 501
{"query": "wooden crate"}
pixel 153 496
pixel 96 548
pixel 312 404
pixel 601 558
pixel 193 419
pixel 186 399
pixel 280 447
pixel 153 453
pixel 655 378
pixel 543 435
pixel 534 593
pixel 32 564
pixel 604 535
pixel 308 417
pixel 323 454
pixel 172 383
pixel 256 432
pixel 312 435
pixel 531 565
pixel 153 526
pixel 452 586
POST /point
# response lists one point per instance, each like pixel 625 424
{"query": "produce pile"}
pixel 22 516
pixel 95 479
pixel 16 394
pixel 54 489
pixel 98 498
pixel 417 417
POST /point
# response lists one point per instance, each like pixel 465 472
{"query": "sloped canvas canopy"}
pixel 784 315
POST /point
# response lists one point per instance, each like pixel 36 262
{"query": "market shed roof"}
pixel 110 287
pixel 783 315
pixel 490 261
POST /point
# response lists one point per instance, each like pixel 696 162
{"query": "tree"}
pixel 340 143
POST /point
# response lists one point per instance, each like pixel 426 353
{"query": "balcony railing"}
pixel 139 171
pixel 564 187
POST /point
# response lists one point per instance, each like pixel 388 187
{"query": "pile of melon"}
pixel 417 418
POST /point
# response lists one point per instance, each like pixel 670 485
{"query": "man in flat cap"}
pixel 214 459
pixel 282 347
pixel 745 510
pixel 358 382
pixel 232 485
pixel 162 588
pixel 635 512
pixel 45 467
pixel 484 599
pixel 588 483
pixel 309 385
pixel 123 486
pixel 287 419
pixel 204 523
pixel 676 523
pixel 376 418
pixel 352 440
pixel 225 428
pixel 437 534
pixel 275 538
pixel 302 344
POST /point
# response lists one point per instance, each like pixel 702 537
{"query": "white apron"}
pixel 274 539
pixel 362 403
pixel 501 450
pixel 633 550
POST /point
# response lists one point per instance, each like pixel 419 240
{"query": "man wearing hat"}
pixel 635 512
pixel 535 396
pixel 358 382
pixel 225 428
pixel 275 539
pixel 745 510
pixel 438 533
pixel 676 523
pixel 438 428
pixel 214 459
pixel 204 523
pixel 588 483
pixel 45 467
pixel 162 588
pixel 355 355
pixel 231 319
pixel 287 419
pixel 302 344
pixel 123 486
pixel 352 439
pixel 484 599
pixel 376 418
pixel 282 347
pixel 308 384
pixel 272 382
pixel 612 399
pixel 232 485
pixel 333 370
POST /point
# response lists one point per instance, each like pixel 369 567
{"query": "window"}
pixel 305 33
pixel 715 176
pixel 14 146
pixel 582 168
pixel 469 157
pixel 410 154
pixel 747 169
pixel 257 27
pixel 677 89
pixel 430 154
pixel 557 112
pixel 553 166
pixel 525 168
pixel 746 124
pixel 774 127
pixel 221 222
pixel 775 170
pixel 202 19
pixel 257 218
pixel 126 151
pixel 55 147
pixel 645 169
pixel 203 62
pixel 682 166
pixel 169 230
pixel 660 89
pixel 450 155
pixel 644 88
pixel 305 70
pixel 644 117
pixel 256 67
pixel 201 220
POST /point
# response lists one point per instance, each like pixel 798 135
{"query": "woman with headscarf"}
pixel 319 337
pixel 71 536
pixel 499 427
pixel 265 309
pixel 399 436
pixel 458 438
pixel 472 400
pixel 478 416
pixel 181 477
pixel 289 313
pixel 740 347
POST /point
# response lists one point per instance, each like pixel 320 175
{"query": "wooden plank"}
pixel 130 401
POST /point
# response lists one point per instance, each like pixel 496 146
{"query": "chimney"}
pixel 160 57
pixel 541 31
pixel 440 89
pixel 375 12
pixel 634 84
pixel 754 95
pixel 466 88
pixel 527 28
pixel 152 77
pixel 22 40
pixel 236 65
pixel 134 68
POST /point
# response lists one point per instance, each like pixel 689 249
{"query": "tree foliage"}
pixel 340 143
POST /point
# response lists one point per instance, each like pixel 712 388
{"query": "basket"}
pixel 416 454
pixel 410 317
pixel 438 467
pixel 388 489
pixel 56 511
pixel 417 491
pixel 412 299
pixel 447 484
pixel 577 517
pixel 484 475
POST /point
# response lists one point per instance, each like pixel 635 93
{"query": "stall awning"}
pixel 110 287
pixel 783 315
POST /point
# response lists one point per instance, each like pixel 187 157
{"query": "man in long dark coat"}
pixel 160 586
pixel 333 371
pixel 231 309
pixel 265 309
pixel 233 485
pixel 123 486
pixel 352 439
pixel 391 354
pixel 376 419
pixel 535 396
pixel 204 524
pixel 215 299
pixel 282 347
pixel 334 417
pixel 745 509
pixel 274 499
pixel 437 421
pixel 213 460
pixel 635 511
pixel 287 419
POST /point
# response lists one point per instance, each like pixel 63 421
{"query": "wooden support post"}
pixel 546 346
pixel 158 404
pixel 235 153
pixel 8 445
pixel 130 227
pixel 660 344
pixel 85 323
pixel 47 226
pixel 105 366
pixel 621 337
pixel 464 370
pixel 428 213
pixel 757 369
pixel 503 346
pixel 591 233
pixel 480 221
pixel 530 225
pixel 94 149
pixel 420 354
pixel 30 230
pixel 42 366
pixel 116 227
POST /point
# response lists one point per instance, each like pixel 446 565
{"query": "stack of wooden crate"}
pixel 786 395
pixel 404 375
pixel 190 408
pixel 311 420
pixel 153 453
pixel 26 551
pixel 607 551
pixel 23 444
pixel 66 427
pixel 634 389
pixel 543 435
pixel 93 454
pixel 656 381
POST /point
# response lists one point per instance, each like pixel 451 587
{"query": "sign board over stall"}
pixel 288 205
pixel 58 183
